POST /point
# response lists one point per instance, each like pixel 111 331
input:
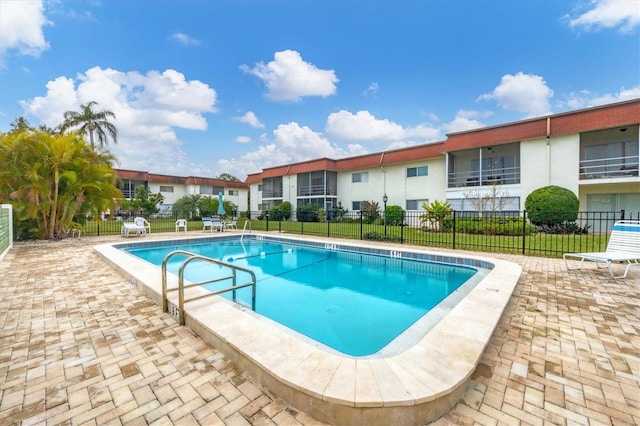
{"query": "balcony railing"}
pixel 309 190
pixel 271 193
pixel 609 168
pixel 504 176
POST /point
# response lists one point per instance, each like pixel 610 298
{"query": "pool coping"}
pixel 416 386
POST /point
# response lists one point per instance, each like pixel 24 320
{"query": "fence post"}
pixel 524 231
pixel 622 214
pixel 99 228
pixel 266 215
pixel 280 224
pixel 360 224
pixel 328 229
pixel 454 230
pixel 402 230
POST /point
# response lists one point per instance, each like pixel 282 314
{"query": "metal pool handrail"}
pixel 181 300
pixel 244 228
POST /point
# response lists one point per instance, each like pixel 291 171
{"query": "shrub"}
pixel 370 211
pixel 395 215
pixel 552 205
pixel 493 226
pixel 285 210
pixel 307 213
pixel 438 213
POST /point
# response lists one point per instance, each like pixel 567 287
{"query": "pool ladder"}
pixel 181 285
pixel 244 228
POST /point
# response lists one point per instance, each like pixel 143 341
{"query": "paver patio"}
pixel 80 345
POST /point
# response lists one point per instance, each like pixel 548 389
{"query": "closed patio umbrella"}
pixel 220 203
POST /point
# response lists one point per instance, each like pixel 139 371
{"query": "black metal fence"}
pixel 506 232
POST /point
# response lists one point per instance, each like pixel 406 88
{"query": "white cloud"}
pixel 465 120
pixel 291 143
pixel 184 39
pixel 21 24
pixel 372 89
pixel 243 139
pixel 251 119
pixel 624 14
pixel 585 98
pixel 364 126
pixel 148 108
pixel 526 93
pixel 289 78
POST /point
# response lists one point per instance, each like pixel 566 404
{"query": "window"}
pixel 166 188
pixel 233 192
pixel 356 205
pixel 259 187
pixel 417 171
pixel 360 177
pixel 416 204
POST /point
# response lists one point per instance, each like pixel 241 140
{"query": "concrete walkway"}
pixel 79 345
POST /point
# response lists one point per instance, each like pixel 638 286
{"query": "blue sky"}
pixel 203 87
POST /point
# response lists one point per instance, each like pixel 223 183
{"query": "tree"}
pixel 187 206
pixel 89 121
pixel 228 177
pixel 52 179
pixel 144 200
pixel 20 124
pixel 493 201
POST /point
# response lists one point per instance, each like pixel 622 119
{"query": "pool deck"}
pixel 79 344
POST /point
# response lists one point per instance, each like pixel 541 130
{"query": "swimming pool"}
pixel 353 302
pixel 414 380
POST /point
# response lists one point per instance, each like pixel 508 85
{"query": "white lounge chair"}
pixel 207 224
pixel 181 224
pixel 141 221
pixel 623 247
pixel 132 227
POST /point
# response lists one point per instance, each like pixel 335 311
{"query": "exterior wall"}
pixel 565 162
pixel 373 190
pixel 240 200
pixel 170 198
pixel 255 196
pixel 290 189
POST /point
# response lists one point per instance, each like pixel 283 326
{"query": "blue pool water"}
pixel 353 302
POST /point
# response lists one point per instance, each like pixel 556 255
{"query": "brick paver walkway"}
pixel 79 345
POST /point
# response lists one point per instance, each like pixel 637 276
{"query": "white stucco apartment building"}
pixel 176 187
pixel 593 152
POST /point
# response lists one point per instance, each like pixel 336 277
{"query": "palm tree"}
pixel 50 179
pixel 89 121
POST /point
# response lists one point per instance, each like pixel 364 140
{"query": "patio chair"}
pixel 623 247
pixel 132 227
pixel 232 224
pixel 141 221
pixel 181 224
pixel 217 224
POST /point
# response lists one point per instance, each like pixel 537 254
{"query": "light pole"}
pixel 384 200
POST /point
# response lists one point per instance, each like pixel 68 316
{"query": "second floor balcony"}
pixel 609 168
pixel 318 190
pixel 499 176
pixel 271 193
